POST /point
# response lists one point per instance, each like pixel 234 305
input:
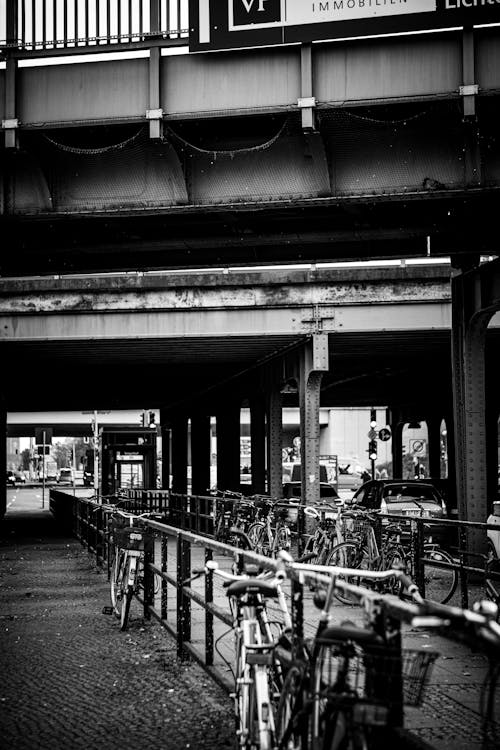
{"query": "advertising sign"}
pixel 229 24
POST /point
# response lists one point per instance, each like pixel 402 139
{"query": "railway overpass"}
pixel 372 137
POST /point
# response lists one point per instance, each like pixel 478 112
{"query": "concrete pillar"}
pixel 200 454
pixel 313 363
pixel 275 442
pixel 258 442
pixel 179 455
pixel 228 448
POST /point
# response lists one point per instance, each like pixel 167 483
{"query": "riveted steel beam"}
pixel 475 298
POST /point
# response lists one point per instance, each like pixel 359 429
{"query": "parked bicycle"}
pixel 270 532
pixel 321 542
pixel 128 561
pixel 362 550
pixel 256 678
pixel 345 689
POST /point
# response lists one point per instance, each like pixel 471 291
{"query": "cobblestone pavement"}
pixel 70 678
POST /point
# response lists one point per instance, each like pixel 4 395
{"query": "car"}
pixel 412 498
pixel 15 477
pixel 65 476
pixel 292 491
pixel 494 534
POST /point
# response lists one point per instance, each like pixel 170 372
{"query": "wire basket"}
pixel 353 527
pixel 372 674
pixel 127 537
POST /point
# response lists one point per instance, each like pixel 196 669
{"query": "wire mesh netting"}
pixel 374 151
pixel 374 673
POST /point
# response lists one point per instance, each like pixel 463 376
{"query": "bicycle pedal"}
pixel 107 610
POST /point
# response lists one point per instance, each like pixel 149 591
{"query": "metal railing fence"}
pixel 197 515
pixel 76 25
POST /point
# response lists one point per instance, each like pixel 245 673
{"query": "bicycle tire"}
pixel 291 721
pixel 440 584
pixel 319 547
pixel 492 585
pixel 348 555
pixel 394 557
pixel 127 591
pixel 257 534
pixel 113 580
pixel 331 728
pixel 282 539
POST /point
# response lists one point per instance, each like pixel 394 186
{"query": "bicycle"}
pixel 362 550
pixel 320 544
pixel 128 562
pixel 270 534
pixel 256 680
pixel 345 690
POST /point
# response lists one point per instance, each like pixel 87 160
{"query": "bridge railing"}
pixel 76 25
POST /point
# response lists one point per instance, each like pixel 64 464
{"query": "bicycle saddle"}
pixel 350 632
pixel 252 586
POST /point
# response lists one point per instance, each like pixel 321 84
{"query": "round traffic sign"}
pixel 384 433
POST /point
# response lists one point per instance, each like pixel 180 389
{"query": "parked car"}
pixel 327 493
pixel 412 498
pixel 15 477
pixel 65 476
pixel 493 534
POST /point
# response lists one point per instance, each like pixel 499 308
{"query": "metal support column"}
pixel 258 442
pixel 10 122
pixel 396 425
pixel 434 444
pixel 228 448
pixel 274 442
pixel 165 453
pixel 474 297
pixel 3 458
pixel 314 362
pixel 179 455
pixel 200 454
pixel 154 113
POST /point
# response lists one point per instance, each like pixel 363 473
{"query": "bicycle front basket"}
pixel 416 669
pixel 128 538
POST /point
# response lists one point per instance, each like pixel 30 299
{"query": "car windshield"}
pixel 399 493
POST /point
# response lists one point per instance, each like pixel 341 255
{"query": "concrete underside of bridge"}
pixel 209 161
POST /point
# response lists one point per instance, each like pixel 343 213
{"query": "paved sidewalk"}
pixel 69 677
pixel 72 679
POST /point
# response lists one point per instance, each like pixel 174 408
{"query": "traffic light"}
pixel 372 450
pixel 403 450
pixel 152 419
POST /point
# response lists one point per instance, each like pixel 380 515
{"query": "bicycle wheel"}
pixel 115 579
pixel 282 539
pixel 332 726
pixel 492 585
pixel 291 721
pixel 348 555
pixel 257 533
pixel 440 583
pixel 127 587
pixel 394 557
pixel 318 546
